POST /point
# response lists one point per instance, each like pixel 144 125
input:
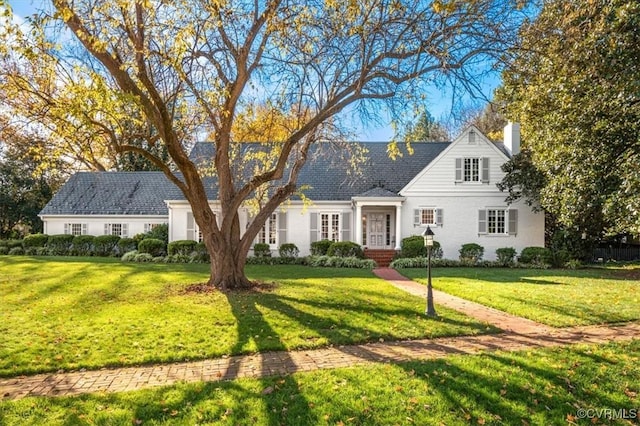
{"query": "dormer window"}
pixel 471 169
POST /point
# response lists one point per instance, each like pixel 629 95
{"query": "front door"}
pixel 377 230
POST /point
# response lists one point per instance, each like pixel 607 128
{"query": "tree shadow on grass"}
pixel 587 315
pixel 251 320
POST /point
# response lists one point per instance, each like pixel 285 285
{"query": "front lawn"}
pixel 567 385
pixel 70 313
pixel 559 298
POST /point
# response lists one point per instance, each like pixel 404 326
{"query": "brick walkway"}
pixel 521 334
pixel 500 319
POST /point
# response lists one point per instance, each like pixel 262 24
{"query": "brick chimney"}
pixel 512 137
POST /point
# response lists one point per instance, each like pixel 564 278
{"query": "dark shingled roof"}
pixel 378 193
pixel 327 175
pixel 134 193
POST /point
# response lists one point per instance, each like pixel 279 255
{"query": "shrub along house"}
pixel 450 186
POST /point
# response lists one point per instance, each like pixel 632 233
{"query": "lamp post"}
pixel 428 243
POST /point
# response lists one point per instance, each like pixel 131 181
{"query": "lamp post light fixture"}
pixel 428 243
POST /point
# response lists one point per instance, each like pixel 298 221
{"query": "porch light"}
pixel 428 237
pixel 428 243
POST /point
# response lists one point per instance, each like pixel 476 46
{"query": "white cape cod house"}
pixel 450 186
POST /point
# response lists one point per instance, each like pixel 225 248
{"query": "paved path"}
pixel 500 319
pixel 520 334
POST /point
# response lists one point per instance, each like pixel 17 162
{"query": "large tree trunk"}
pixel 228 258
pixel 227 271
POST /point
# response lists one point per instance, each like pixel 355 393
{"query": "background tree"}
pixel 574 87
pixel 25 188
pixel 424 129
pixel 188 65
pixel 56 95
pixel 488 119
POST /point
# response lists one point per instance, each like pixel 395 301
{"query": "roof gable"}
pixel 472 143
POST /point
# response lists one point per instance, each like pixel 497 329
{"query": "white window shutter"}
pixel 416 217
pixel 313 217
pixel 106 229
pixel 482 221
pixel 513 222
pixel 346 226
pixel 485 170
pixel 146 228
pixel 84 229
pixel 191 234
pixel 439 216
pixel 282 227
pixel 458 169
pixel 66 228
pixel 125 230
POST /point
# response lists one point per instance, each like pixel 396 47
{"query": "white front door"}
pixel 377 230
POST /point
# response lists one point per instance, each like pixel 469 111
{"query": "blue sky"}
pixel 438 100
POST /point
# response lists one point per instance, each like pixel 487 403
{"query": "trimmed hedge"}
pixel 421 262
pixel 152 247
pixel 14 243
pixel 288 250
pixel 35 240
pixel 506 255
pixel 60 245
pixel 126 245
pixel 200 254
pixel 16 251
pixel 341 262
pixel 413 246
pixel 345 249
pixel 534 255
pixel 184 247
pixel 276 260
pixel 4 250
pixel 261 250
pixel 82 245
pixel 319 248
pixel 105 245
pixel 471 253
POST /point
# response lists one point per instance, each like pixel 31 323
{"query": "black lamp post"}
pixel 428 243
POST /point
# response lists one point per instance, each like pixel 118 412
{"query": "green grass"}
pixel 541 387
pixel 558 298
pixel 70 313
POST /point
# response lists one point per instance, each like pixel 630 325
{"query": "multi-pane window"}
pixel 471 171
pixel 330 226
pixel 75 228
pixel 119 229
pixel 427 216
pixel 269 231
pixel 496 221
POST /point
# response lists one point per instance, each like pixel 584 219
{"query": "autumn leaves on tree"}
pixel 131 75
